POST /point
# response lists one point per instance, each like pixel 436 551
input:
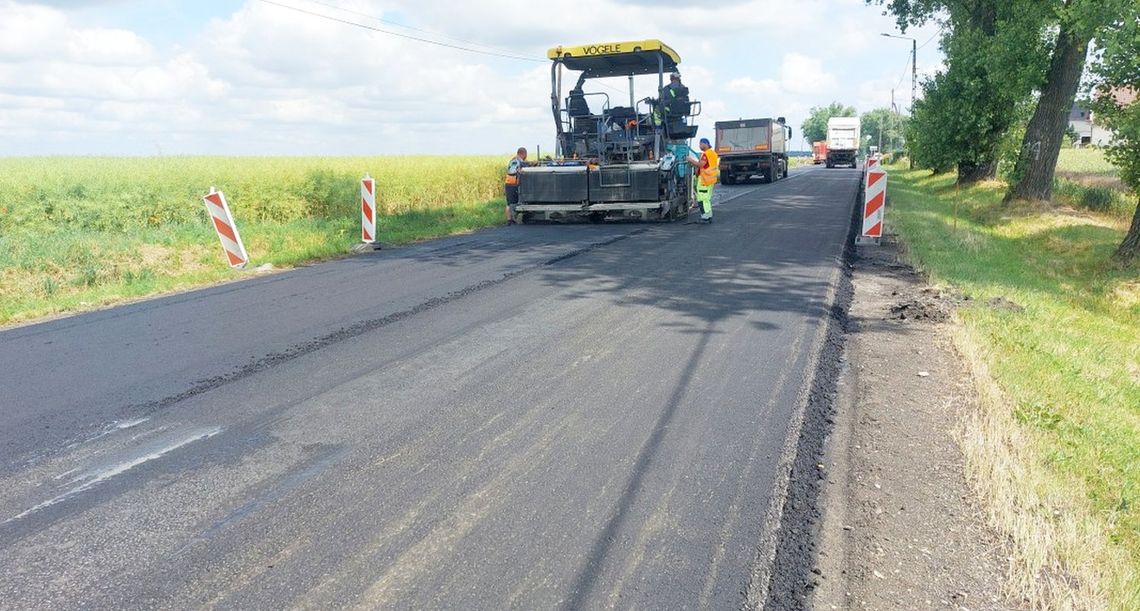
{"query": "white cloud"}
pixel 268 80
pixel 803 74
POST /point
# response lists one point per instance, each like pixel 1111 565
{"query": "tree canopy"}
pixel 1012 70
pixel 1115 84
pixel 814 128
pixel 994 58
pixel 885 127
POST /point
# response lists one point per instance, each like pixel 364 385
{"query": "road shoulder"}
pixel 900 528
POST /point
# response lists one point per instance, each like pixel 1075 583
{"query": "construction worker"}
pixel 511 183
pixel 675 97
pixel 708 172
pixel 673 105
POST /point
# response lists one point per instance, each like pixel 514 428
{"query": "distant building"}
pixel 1088 132
pixel 1082 122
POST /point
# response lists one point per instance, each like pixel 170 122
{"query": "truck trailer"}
pixel 750 147
pixel 818 152
pixel 842 141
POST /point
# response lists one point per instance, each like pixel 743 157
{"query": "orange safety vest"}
pixel 710 168
pixel 512 179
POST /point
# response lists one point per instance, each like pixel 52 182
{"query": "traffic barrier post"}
pixel 368 210
pixel 869 162
pixel 874 201
pixel 227 230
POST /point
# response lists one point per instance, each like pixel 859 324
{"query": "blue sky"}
pixel 250 77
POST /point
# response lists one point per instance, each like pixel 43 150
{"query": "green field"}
pixel 1085 161
pixel 1085 179
pixel 1054 449
pixel 82 232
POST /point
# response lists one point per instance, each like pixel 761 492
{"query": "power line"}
pixel 414 29
pixel 494 52
pixel 906 68
pixel 932 37
pixel 402 35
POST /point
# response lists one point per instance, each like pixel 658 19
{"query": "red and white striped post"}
pixel 874 200
pixel 227 230
pixel 367 210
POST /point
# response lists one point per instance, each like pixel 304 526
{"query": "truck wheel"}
pixel 728 179
pixel 774 172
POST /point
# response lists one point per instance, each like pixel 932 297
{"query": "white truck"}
pixel 842 141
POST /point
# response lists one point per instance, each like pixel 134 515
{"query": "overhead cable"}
pixel 402 35
pixel 414 29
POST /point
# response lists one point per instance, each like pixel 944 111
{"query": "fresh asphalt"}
pixel 527 417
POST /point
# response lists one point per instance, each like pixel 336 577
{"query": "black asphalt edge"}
pixel 355 330
pixel 784 580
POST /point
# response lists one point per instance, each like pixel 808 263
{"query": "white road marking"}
pixel 95 478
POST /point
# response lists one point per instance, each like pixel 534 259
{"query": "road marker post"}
pixel 368 210
pixel 227 230
pixel 874 201
pixel 869 162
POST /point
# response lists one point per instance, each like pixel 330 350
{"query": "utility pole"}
pixel 913 65
pixel 913 72
pixel 891 141
pixel 894 126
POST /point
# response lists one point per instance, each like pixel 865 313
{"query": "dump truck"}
pixel 842 141
pixel 749 147
pixel 818 152
pixel 613 161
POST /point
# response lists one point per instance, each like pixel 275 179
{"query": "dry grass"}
pixel 1052 449
pixel 1055 549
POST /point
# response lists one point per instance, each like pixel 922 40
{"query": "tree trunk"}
pixel 1130 247
pixel 970 172
pixel 1041 146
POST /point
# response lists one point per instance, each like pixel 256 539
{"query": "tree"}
pixel 1115 85
pixel 1071 134
pixel 930 138
pixel 885 127
pixel 994 58
pixel 814 128
pixel 1077 21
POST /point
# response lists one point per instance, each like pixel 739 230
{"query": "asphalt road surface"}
pixel 528 417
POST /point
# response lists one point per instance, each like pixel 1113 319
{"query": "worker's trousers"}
pixel 704 198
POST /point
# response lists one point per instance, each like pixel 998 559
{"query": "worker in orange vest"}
pixel 708 172
pixel 511 183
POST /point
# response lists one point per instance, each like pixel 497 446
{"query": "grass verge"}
pixel 81 233
pixel 1053 340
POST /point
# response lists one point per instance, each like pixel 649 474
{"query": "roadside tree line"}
pixel 1013 69
pixel 881 127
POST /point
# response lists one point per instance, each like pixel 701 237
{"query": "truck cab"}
pixel 749 147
